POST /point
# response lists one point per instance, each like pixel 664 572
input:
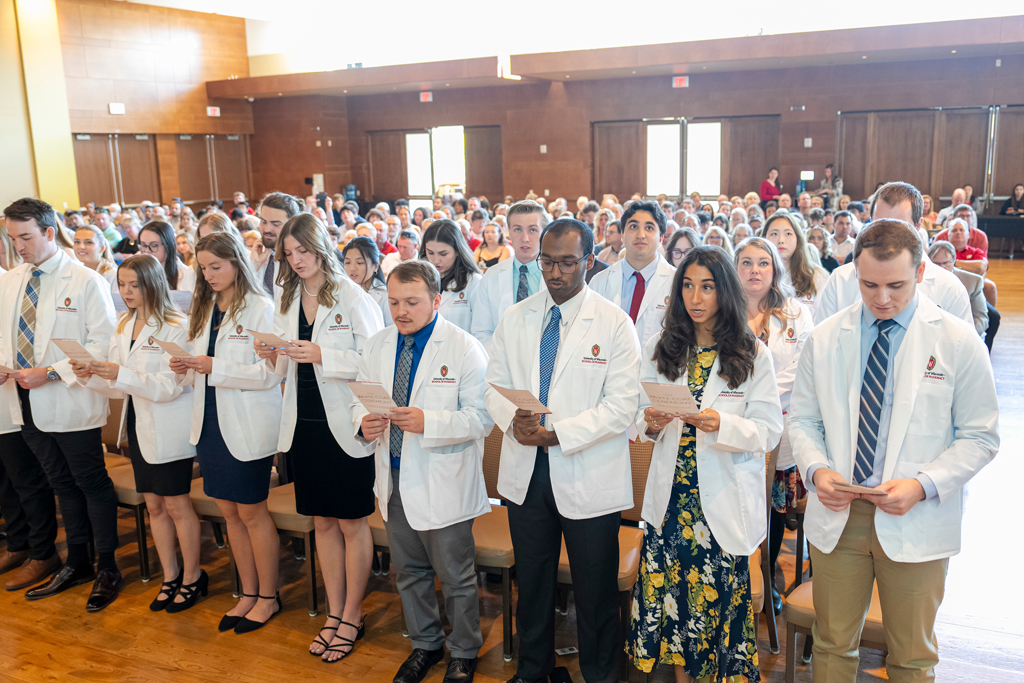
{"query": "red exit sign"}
pixel 680 81
pixel 213 111
pixel 426 96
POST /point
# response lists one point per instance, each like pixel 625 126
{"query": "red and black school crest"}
pixel 444 370
pixel 931 363
pixel 238 329
pixel 595 350
pixel 337 318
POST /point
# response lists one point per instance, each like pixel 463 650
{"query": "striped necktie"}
pixel 548 351
pixel 872 393
pixel 524 284
pixel 27 323
pixel 400 394
pixel 268 275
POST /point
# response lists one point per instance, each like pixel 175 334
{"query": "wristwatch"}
pixel 52 375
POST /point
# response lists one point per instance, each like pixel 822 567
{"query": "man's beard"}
pixel 268 242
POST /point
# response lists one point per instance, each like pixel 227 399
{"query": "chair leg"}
pixel 808 644
pixel 799 551
pixel 218 536
pixel 385 563
pixel 790 653
pixel 769 606
pixel 140 530
pixel 314 601
pixel 562 600
pixel 299 548
pixel 506 613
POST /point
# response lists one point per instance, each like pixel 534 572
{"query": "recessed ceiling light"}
pixel 567 75
pixel 953 51
pixel 344 91
pixel 447 84
pixel 278 94
pixel 634 71
pixel 864 57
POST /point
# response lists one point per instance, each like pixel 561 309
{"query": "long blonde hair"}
pixel 11 256
pixel 229 247
pixel 217 221
pixel 155 292
pixel 107 262
pixel 312 236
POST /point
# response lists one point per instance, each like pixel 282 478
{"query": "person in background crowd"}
pixel 815 217
pixel 187 224
pixel 419 215
pixel 831 187
pixel 755 223
pixel 130 244
pixel 216 222
pixel 154 421
pixel 785 201
pixel 588 213
pixel 807 279
pixel 740 233
pixel 970 258
pixel 446 249
pixel 976 238
pixel 407 249
pixel 476 228
pixel 236 417
pixel 721 221
pixel 736 217
pixel 969 198
pixel 492 250
pixel 460 208
pixel 916 436
pixel 275 210
pixel 958 198
pixel 803 204
pixel 362 265
pixel 680 244
pixel 186 248
pixel 61 420
pixel 73 219
pixel 105 224
pixel 929 214
pixel 818 238
pixel 717 237
pixel 157 239
pixel 612 251
pixel 986 317
pixel 394 226
pixel 691 606
pixel 384 246
pixel 251 238
pixel 783 325
pixel 840 241
pixel 1014 204
pixel 241 203
pixel 93 251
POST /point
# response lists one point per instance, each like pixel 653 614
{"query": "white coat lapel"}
pixel 46 311
pixel 909 368
pixel 532 331
pixel 127 348
pixel 429 356
pixel 849 345
pixel 322 313
pixel 574 337
pixel 652 288
pixel 615 282
pixel 387 359
pixel 715 384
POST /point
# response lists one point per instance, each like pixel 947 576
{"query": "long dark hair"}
pixel 737 346
pixel 166 234
pixel 370 253
pixel 447 232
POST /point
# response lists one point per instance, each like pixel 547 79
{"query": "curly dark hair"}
pixel 737 346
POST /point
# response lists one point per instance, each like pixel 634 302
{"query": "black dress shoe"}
pixel 415 668
pixel 460 670
pixel 67 577
pixel 104 590
pixel 776 599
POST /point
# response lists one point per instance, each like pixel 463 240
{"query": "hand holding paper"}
pixel 374 397
pixel 673 399
pixel 74 350
pixel 856 488
pixel 270 339
pixel 523 399
pixel 175 350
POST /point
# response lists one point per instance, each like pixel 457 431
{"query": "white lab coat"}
pixel 7 425
pixel 248 390
pixel 785 343
pixel 163 408
pixel 442 480
pixel 341 333
pixel 811 301
pixel 77 307
pixel 730 462
pixel 592 396
pixel 493 297
pixel 608 283
pixel 187 278
pixel 379 293
pixel 944 423
pixel 457 307
pixel 939 285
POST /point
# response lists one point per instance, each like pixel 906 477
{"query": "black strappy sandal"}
pixel 227 622
pixel 191 593
pixel 319 636
pixel 169 587
pixel 345 642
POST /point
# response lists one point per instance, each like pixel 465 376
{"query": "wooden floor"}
pixel 981 628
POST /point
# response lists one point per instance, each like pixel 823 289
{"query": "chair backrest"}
pixel 492 458
pixel 639 464
pixel 770 460
pixel 111 431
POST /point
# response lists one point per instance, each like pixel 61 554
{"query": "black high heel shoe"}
pixel 191 593
pixel 346 646
pixel 247 625
pixel 228 622
pixel 170 587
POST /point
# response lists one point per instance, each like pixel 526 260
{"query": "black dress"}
pixel 328 481
pixel 829 263
pixel 164 479
pixel 224 476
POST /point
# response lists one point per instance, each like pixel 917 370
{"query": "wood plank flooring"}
pixel 980 628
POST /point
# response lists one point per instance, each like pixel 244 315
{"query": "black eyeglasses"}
pixel 546 265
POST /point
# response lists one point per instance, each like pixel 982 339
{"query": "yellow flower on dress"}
pixel 687 533
pixel 710 594
pixel 657 580
pixel 706 358
pixel 693 576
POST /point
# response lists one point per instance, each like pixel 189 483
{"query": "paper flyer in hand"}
pixel 674 399
pixel 270 339
pixel 855 488
pixel 74 350
pixel 175 350
pixel 374 397
pixel 523 399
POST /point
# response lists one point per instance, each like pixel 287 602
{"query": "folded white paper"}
pixel 374 397
pixel 270 339
pixel 175 350
pixel 522 399
pixel 856 488
pixel 6 370
pixel 74 350
pixel 674 399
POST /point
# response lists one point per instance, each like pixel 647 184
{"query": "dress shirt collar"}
pixel 420 338
pixel 647 271
pixel 569 309
pixel 52 264
pixel 868 318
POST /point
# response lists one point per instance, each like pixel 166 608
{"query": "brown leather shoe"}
pixel 9 560
pixel 33 572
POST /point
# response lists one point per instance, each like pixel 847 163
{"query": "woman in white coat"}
pixel 807 279
pixel 93 251
pixel 783 324
pixel 705 490
pixel 330 318
pixel 157 238
pixel 236 417
pixel 447 250
pixel 154 421
pixel 362 265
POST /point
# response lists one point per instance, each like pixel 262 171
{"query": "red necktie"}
pixel 638 297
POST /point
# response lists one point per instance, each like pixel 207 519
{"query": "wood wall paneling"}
pixel 138 177
pixel 388 175
pixel 904 144
pixel 194 168
pixel 748 151
pixel 483 163
pixel 963 147
pixel 167 167
pixel 1009 166
pixel 619 153
pixel 231 166
pixel 95 167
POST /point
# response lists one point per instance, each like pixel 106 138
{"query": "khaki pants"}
pixel 909 593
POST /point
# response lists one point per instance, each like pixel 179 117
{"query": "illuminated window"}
pixel 704 158
pixel 664 159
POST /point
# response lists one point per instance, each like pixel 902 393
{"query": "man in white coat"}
pixel 640 284
pixel 429 462
pixel 566 473
pixel 51 296
pixel 274 211
pixel 896 395
pixel 903 202
pixel 513 279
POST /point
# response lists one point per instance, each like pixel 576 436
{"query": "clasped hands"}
pixel 900 495
pixel 409 420
pixel 527 430
pixel 31 378
pixel 299 351
pixel 101 369
pixel 706 420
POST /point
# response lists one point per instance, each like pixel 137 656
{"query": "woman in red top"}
pixel 769 190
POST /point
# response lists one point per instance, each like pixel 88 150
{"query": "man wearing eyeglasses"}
pixel 566 473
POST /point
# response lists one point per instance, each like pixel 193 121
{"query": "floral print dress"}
pixel 691 604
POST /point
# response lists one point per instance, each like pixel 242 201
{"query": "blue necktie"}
pixel 548 351
pixel 524 284
pixel 400 394
pixel 268 275
pixel 872 393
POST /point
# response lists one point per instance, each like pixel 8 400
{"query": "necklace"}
pixel 308 293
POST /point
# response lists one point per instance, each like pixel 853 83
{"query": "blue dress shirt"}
pixel 629 280
pixel 533 276
pixel 419 343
